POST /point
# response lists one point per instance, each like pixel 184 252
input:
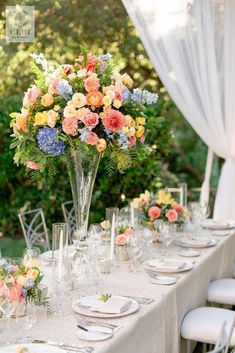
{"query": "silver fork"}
pixel 101 323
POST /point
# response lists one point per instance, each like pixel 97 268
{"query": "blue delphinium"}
pixel 123 141
pixel 64 89
pixel 109 134
pixel 48 142
pixel 126 94
pixel 105 57
pixel 83 134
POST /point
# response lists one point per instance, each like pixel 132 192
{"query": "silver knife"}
pixel 94 328
pixel 72 348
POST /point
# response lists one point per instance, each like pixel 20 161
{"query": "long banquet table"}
pixel 155 328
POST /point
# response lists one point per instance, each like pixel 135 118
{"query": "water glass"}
pixel 134 249
pixel 167 236
pixel 25 322
pixel 103 259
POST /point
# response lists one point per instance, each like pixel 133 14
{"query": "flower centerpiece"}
pixel 160 206
pixel 121 241
pixel 79 112
pixel 21 282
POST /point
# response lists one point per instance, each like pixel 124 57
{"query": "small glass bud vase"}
pixel 122 253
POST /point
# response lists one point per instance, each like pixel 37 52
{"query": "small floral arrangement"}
pixel 160 206
pixel 124 234
pixel 86 105
pixel 21 281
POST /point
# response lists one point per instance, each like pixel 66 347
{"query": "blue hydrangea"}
pixel 29 283
pixel 48 142
pixel 109 134
pixel 83 134
pixel 105 57
pixel 123 141
pixel 64 89
pixel 143 96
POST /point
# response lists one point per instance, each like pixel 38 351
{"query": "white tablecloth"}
pixel 155 328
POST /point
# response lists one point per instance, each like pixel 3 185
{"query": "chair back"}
pixel 34 228
pixel 69 217
pixel 179 194
pixel 223 343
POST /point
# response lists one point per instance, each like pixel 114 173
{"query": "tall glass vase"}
pixel 82 169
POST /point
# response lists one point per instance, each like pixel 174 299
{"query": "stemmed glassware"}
pixel 134 249
pixel 25 322
pixel 167 237
pixel 31 254
pixel 8 303
pixel 199 213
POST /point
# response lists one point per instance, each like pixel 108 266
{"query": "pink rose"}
pixel 70 126
pixel 118 95
pixel 121 239
pixel 92 138
pixel 53 88
pixel 91 119
pixel 34 165
pixel 132 141
pixel 128 232
pixel 154 212
pixel 91 83
pixel 31 96
pixel 172 215
pixel 113 120
pixel 176 206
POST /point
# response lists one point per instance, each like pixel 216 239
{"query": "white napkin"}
pixel 170 265
pixel 213 224
pixel 114 305
pixel 196 242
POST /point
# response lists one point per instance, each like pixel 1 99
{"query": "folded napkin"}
pixel 114 305
pixel 170 265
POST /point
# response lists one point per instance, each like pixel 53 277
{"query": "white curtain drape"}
pixel 192 46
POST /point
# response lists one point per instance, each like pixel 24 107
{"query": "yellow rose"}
pixel 131 132
pixel 52 117
pixel 125 129
pixel 79 100
pixel 41 118
pixel 140 121
pixel 32 263
pixel 110 94
pixel 117 103
pixel 82 112
pixel 126 80
pixel 47 99
pixel 107 100
pixel 101 145
pixel 21 280
pixel 129 120
pixel 70 112
pixel 140 131
pixel 136 202
pixel 32 273
pixel 56 108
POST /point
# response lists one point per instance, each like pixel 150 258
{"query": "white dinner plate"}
pixel 186 243
pixel 189 253
pixel 93 336
pixel 148 265
pixel 163 280
pixel 220 233
pixel 32 347
pixel 213 225
pixel 83 309
pixel 47 255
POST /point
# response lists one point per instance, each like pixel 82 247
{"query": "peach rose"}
pixel 101 145
pixel 82 112
pixel 128 232
pixel 176 206
pixel 92 62
pixel 47 99
pixel 68 69
pixel 172 215
pixel 92 83
pixel 34 165
pixel 94 98
pixel 70 111
pixel 113 120
pixel 92 138
pixel 31 96
pixel 121 239
pixel 21 121
pixel 15 293
pixel 154 212
pixel 52 117
pixel 91 119
pixel 70 126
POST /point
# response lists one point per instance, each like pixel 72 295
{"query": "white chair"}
pixel 222 291
pixel 179 193
pixel 34 228
pixel 222 342
pixel 204 325
pixel 69 217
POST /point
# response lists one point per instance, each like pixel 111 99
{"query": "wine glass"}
pixel 25 322
pixel 8 303
pixel 31 257
pixel 135 252
pixel 167 237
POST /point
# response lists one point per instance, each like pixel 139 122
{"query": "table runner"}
pixel 155 328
